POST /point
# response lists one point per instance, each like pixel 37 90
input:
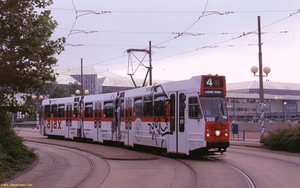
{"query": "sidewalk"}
pixel 248 139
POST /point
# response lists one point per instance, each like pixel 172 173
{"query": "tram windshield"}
pixel 214 109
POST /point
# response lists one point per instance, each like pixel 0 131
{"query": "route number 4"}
pixel 209 82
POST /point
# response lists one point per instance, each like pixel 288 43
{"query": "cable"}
pixel 235 38
pixel 74 20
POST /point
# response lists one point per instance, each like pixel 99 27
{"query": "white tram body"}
pixel 180 116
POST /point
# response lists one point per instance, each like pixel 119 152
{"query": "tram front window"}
pixel 214 109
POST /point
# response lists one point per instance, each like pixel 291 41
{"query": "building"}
pixel 281 100
pixel 95 79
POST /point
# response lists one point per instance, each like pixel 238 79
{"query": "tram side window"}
pixel 97 110
pixel 61 110
pixel 76 110
pixel 172 112
pixel 147 106
pixel 47 111
pixel 194 109
pixel 159 106
pixel 182 105
pixel 54 110
pixel 122 108
pixel 88 111
pixel 108 109
pixel 137 107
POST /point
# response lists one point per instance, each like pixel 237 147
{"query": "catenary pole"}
pixel 261 87
pixel 150 64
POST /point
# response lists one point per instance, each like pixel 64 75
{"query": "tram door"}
pixel 128 121
pixel 97 122
pixel 177 142
pixel 68 120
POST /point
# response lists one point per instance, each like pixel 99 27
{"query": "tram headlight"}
pixel 226 132
pixel 218 133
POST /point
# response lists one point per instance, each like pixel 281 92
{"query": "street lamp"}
pixel 285 106
pixel 266 70
pixel 77 92
pixel 86 92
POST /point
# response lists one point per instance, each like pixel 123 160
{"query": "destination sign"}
pixel 213 92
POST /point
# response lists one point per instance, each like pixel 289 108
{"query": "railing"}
pixel 26 124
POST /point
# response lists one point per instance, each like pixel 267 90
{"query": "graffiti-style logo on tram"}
pixel 53 124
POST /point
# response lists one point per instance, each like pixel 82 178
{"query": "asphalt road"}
pixel 105 167
pixel 268 169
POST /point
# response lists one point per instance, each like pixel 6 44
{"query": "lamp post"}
pixel 277 99
pixel 266 70
pixel 285 106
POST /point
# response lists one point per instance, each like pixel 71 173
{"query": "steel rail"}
pixel 243 174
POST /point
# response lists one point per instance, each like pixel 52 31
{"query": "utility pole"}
pixel 266 70
pixel 260 68
pixel 261 86
pixel 81 76
pixel 150 64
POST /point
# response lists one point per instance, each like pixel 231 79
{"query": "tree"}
pixel 26 50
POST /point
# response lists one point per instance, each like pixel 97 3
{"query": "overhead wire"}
pixel 185 29
pixel 235 38
pixel 74 20
pixel 203 14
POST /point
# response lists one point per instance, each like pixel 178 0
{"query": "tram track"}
pixel 53 163
pixel 193 183
pixel 241 168
pixel 189 170
pixel 85 177
pixel 88 174
pixel 193 172
pixel 247 178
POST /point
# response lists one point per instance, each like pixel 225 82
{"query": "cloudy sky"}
pixel 188 37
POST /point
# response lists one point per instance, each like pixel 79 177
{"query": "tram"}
pixel 183 117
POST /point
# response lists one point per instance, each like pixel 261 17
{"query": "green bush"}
pixel 13 153
pixel 285 139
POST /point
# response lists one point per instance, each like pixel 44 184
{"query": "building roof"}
pixel 267 85
pixel 250 90
pixel 256 96
pixel 65 79
pixel 120 82
pixel 104 77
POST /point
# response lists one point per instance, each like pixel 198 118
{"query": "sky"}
pixel 188 38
